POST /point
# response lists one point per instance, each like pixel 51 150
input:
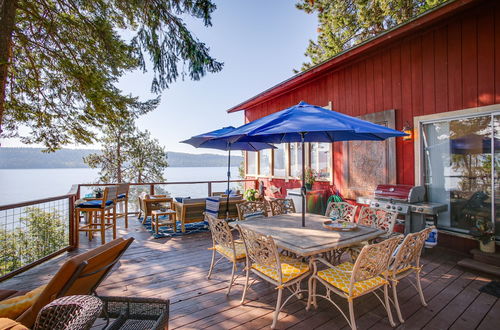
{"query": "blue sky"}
pixel 260 43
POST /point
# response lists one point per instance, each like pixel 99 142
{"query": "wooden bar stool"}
pixel 98 211
pixel 122 197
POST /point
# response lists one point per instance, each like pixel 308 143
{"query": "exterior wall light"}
pixel 408 130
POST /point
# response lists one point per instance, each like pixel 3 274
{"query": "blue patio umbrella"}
pixel 308 123
pixel 212 140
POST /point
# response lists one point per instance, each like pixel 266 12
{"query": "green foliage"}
pixel 40 234
pixel 128 155
pixel 251 194
pixel 67 56
pixel 345 23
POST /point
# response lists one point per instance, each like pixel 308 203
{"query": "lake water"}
pixel 19 185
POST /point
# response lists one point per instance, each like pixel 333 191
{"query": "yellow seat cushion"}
pixel 228 252
pixel 290 268
pixel 338 278
pixel 391 272
pixel 8 324
pixel 13 307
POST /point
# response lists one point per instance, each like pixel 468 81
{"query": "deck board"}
pixel 176 268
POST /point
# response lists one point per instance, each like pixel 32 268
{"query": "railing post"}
pixel 73 225
pixel 152 189
pixel 209 189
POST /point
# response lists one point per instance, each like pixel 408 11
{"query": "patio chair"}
pixel 264 260
pixel 341 211
pixel 351 281
pixel 251 210
pixel 225 245
pixel 122 197
pixel 80 275
pixel 405 261
pixel 149 203
pixel 376 218
pixel 101 214
pixel 282 206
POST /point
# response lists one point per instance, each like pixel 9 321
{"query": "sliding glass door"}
pixel 461 169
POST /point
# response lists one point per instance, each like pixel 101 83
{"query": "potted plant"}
pixel 483 232
pixel 310 177
pixel 251 195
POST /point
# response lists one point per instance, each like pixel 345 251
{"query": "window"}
pixel 458 170
pixel 280 160
pixel 265 162
pixel 320 159
pixel 295 159
pixel 251 163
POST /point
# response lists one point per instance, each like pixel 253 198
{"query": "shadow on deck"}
pixel 176 268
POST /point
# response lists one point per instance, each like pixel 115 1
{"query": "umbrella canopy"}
pixel 209 140
pixel 308 123
pixel 213 140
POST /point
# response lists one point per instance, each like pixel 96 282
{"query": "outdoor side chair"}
pixel 351 281
pixel 80 275
pixel 225 245
pixel 282 206
pixel 251 210
pixel 264 260
pixel 122 198
pixel 341 211
pixel 406 261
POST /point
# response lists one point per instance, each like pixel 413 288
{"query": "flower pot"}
pixel 488 247
pixel 308 186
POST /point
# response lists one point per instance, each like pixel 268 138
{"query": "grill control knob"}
pixel 388 206
pixel 377 204
pixel 399 208
pixel 414 208
pixel 393 207
pixel 420 209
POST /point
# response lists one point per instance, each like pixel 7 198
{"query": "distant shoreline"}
pixel 88 168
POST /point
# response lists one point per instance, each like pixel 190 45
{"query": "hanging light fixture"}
pixel 409 131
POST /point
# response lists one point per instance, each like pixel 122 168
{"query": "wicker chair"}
pixel 264 260
pixel 341 211
pixel 406 261
pixel 122 197
pixel 68 313
pixel 282 206
pixel 99 212
pixel 247 210
pixel 352 281
pixel 225 245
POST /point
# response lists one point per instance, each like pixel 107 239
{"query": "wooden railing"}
pixel 35 231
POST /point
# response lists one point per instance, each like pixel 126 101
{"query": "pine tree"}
pixel 60 61
pixel 128 155
pixel 345 23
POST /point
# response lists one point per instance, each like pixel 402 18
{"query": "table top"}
pixel 288 233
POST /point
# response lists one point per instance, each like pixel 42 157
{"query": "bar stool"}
pixel 122 197
pixel 98 210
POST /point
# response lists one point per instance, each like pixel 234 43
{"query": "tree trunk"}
pixel 7 21
pixel 119 162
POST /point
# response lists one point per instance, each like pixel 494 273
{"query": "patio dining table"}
pixel 311 240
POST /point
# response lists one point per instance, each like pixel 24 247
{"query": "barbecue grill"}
pixel 408 201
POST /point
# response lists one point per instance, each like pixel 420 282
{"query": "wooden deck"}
pixel 176 269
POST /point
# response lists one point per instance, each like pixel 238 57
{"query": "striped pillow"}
pixel 212 206
pixel 254 215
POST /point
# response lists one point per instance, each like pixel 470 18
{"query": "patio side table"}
pixel 135 313
pixel 156 222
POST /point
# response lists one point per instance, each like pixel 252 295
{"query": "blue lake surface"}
pixel 18 185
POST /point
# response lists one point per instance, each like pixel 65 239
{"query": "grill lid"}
pixel 400 192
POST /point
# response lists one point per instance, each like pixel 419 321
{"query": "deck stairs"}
pixel 481 261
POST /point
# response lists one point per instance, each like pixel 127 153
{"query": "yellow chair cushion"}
pixel 13 307
pixel 338 278
pixel 290 268
pixel 391 272
pixel 228 252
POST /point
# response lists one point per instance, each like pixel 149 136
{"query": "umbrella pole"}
pixel 303 189
pixel 228 178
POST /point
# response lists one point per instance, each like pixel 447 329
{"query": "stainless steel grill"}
pixel 406 200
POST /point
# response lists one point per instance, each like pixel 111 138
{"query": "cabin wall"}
pixel 451 66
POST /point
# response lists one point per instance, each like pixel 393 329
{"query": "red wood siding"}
pixel 453 65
